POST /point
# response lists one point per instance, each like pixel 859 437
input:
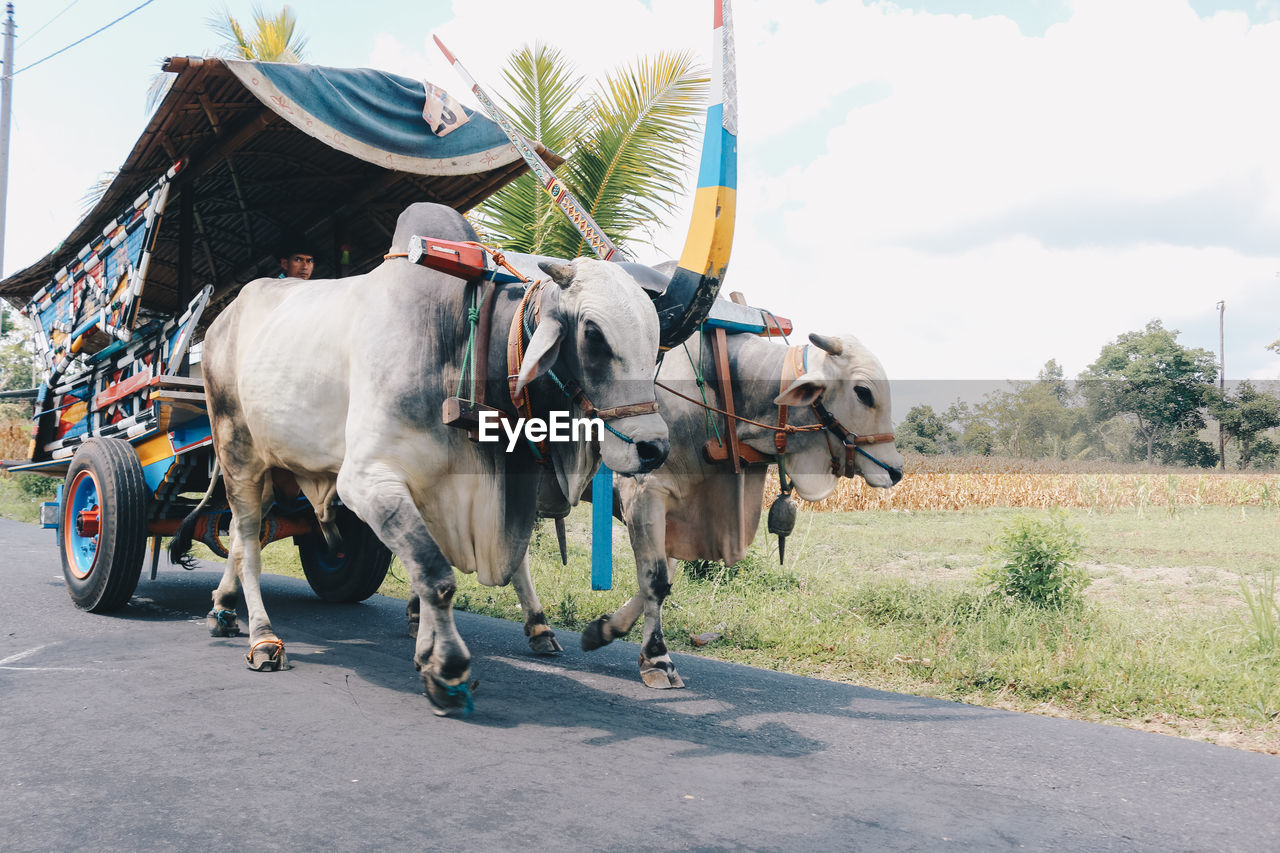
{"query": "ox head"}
pixel 599 330
pixel 851 384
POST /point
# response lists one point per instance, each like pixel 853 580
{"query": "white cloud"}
pixel 1012 199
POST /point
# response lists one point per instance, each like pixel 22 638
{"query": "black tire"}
pixel 102 561
pixel 355 572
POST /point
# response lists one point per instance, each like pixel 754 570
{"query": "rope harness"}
pixel 795 365
pixel 523 325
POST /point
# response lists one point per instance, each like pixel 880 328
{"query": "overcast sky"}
pixel 972 187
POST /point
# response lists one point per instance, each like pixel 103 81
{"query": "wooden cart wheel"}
pixel 355 572
pixel 103 526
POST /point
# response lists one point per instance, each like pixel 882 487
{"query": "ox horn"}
pixel 561 272
pixel 696 282
pixel 835 346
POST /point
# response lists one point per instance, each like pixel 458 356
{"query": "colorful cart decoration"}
pixel 237 155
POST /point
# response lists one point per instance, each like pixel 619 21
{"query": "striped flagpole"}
pixel 705 258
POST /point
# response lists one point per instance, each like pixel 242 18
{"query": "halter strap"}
pixel 522 326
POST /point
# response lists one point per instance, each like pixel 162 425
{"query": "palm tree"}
pixel 275 39
pixel 626 147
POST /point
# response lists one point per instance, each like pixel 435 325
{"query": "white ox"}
pixel 342 382
pixel 693 509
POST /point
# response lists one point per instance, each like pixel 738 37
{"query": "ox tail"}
pixel 182 538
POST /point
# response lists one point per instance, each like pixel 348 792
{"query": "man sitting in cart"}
pixel 297 257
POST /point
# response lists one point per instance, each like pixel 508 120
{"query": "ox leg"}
pixel 656 668
pixel 541 638
pixel 646 528
pixel 245 494
pixel 603 630
pixel 383 501
pixel 222 620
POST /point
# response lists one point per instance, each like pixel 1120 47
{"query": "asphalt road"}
pixel 137 731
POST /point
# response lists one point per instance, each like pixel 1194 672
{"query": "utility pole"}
pixel 1222 381
pixel 6 109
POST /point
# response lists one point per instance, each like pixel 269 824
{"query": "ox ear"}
pixel 561 272
pixel 803 392
pixel 544 349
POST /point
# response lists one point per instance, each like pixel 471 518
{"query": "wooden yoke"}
pixel 714 450
pixel 464 260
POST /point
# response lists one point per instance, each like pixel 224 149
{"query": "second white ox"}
pixel 695 509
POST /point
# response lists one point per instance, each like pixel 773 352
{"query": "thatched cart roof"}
pixel 257 167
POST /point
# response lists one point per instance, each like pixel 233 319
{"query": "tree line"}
pixel 1147 398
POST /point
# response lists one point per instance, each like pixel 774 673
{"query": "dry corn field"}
pixel 14 436
pixel 975 482
pixel 949 482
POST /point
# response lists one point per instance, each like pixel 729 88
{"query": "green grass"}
pixel 22 494
pixel 1164 640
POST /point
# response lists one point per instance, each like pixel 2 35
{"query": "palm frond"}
pixel 544 106
pixel 630 167
pixel 627 147
pixel 275 38
pixel 94 194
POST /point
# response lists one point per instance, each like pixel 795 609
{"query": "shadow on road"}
pixel 725 709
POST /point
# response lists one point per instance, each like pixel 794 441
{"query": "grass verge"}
pixel 1166 640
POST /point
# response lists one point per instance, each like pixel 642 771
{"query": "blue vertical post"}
pixel 602 529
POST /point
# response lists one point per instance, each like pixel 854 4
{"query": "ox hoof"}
pixel 545 644
pixel 267 656
pixel 594 636
pixel 222 623
pixel 449 700
pixel 660 675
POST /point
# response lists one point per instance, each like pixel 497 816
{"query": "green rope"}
pixel 468 355
pixel 709 422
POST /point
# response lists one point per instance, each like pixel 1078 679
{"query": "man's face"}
pixel 298 265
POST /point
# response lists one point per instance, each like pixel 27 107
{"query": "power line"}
pixel 41 28
pixel 82 40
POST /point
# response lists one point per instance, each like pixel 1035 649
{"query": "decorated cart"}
pixel 238 155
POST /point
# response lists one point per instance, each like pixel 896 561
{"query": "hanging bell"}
pixel 782 520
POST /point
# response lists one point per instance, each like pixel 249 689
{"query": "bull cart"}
pixel 237 155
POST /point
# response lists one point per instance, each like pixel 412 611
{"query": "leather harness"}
pixel 793 366
pixel 523 323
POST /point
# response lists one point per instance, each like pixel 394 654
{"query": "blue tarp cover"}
pixel 375 116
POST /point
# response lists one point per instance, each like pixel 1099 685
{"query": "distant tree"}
pixel 16 367
pixel 974 436
pixel 1160 385
pixel 1033 420
pixel 1246 414
pixel 924 431
pixel 1051 376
